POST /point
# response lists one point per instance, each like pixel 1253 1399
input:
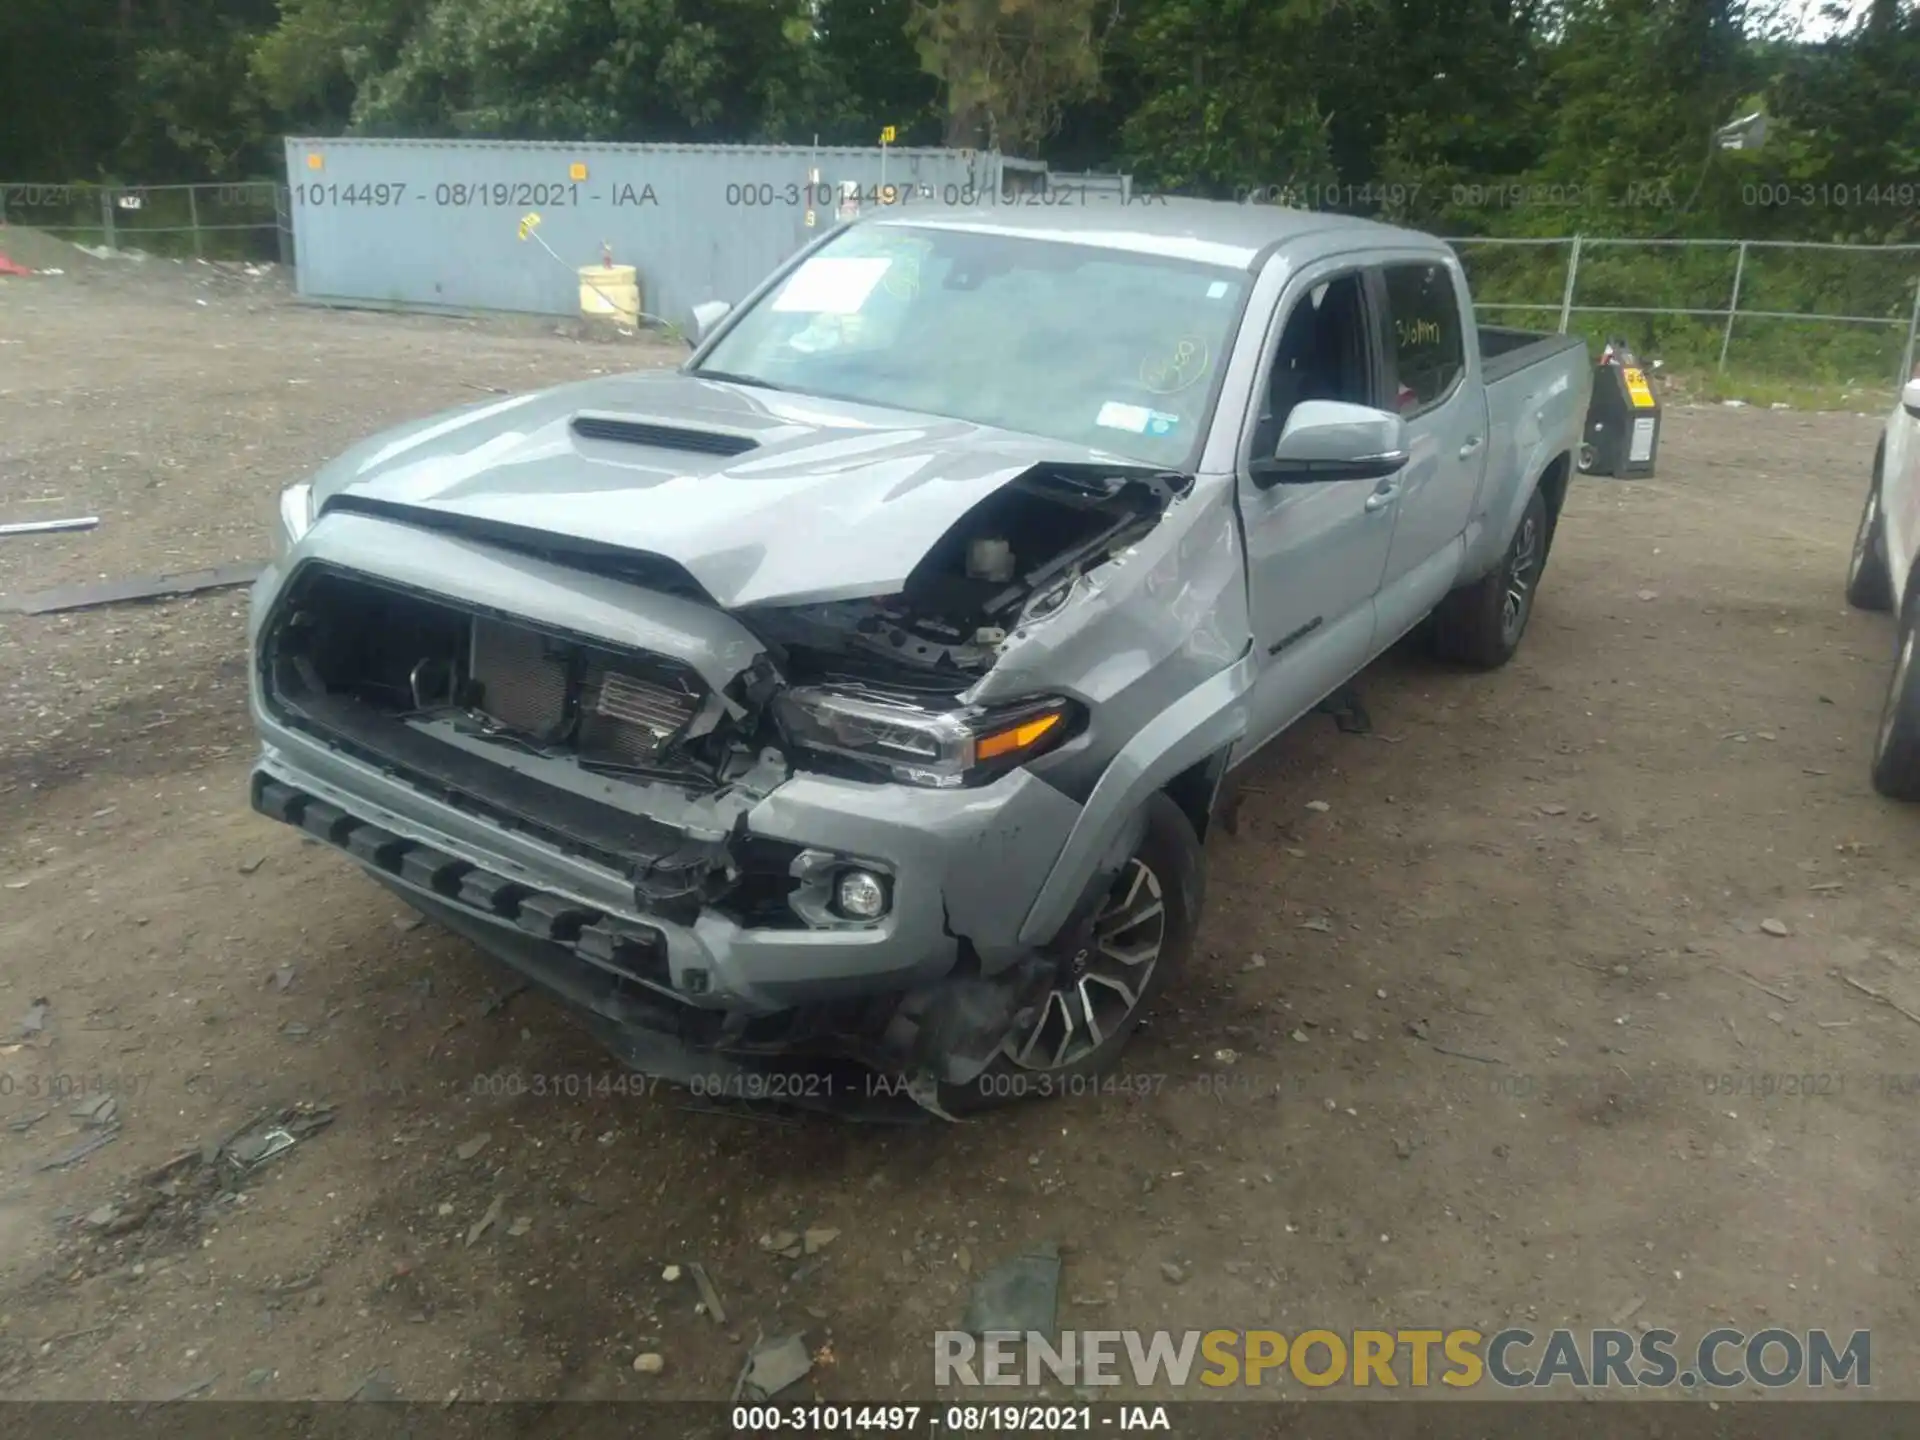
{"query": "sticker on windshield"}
pixel 1216 289
pixel 831 286
pixel 1135 419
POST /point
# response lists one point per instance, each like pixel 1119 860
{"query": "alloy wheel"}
pixel 1097 991
pixel 1523 566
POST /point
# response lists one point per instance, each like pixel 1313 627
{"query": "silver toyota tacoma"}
pixel 853 700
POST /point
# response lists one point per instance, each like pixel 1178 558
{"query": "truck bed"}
pixel 1503 352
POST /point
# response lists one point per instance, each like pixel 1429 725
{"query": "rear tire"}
pixel 1896 749
pixel 1482 624
pixel 1155 900
pixel 1869 582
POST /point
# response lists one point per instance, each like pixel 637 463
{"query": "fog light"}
pixel 860 895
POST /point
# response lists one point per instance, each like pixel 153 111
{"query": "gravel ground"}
pixel 1503 1034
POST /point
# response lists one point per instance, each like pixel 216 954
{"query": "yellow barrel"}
pixel 610 290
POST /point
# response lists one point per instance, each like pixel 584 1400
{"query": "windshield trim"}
pixel 1230 338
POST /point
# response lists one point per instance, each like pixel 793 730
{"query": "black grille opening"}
pixel 661 437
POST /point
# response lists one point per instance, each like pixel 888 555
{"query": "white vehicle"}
pixel 1883 576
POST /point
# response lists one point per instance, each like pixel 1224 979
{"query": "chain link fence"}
pixel 230 220
pixel 1785 307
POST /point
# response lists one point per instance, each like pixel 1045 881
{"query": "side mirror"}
pixel 1910 398
pixel 706 316
pixel 1332 440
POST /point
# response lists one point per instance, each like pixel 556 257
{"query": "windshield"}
pixel 1114 351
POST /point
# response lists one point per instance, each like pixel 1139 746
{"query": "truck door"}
pixel 1315 552
pixel 1424 336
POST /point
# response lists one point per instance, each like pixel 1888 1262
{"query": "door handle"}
pixel 1473 444
pixel 1382 498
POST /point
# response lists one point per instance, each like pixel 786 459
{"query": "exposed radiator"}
pixel 524 679
pixel 630 719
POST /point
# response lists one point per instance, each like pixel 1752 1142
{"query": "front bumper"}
pixel 498 854
pixel 965 865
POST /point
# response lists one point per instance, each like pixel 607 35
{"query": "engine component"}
pixel 520 678
pixel 990 558
pixel 631 719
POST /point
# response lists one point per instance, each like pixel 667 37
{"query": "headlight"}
pixel 940 748
pixel 296 517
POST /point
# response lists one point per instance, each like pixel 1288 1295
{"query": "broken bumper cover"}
pixel 964 867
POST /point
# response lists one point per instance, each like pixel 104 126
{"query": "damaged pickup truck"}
pixel 854 698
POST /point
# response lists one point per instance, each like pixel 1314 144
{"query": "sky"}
pixel 1816 26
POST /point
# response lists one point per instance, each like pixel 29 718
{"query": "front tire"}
pixel 1481 624
pixel 1139 943
pixel 1896 749
pixel 1869 581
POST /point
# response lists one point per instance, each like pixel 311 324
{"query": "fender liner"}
pixel 1209 718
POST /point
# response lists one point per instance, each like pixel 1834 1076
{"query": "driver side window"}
pixel 1322 355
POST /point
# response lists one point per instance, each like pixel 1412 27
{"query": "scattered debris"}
pixel 1647 595
pixel 776 1364
pixel 1403 1149
pixel 467 1149
pixel 1020 1295
pixel 1299 1037
pixel 1174 1274
pixel 82 1150
pixel 1553 809
pixel 256 1379
pixel 1417 1029
pixel 103 1217
pixel 487 1221
pixel 270 1135
pixel 27 1122
pixel 498 1000
pixel 671 1274
pixel 187 1392
pixel 35 1019
pixel 117 592
pixel 97 1112
pixel 1875 995
pixel 1465 1054
pixel 520 1226
pixel 1318 924
pixel 283 978
pixel 38 527
pixel 378 1386
pixel 815 1240
pixel 1776 928
pixel 1319 807
pixel 648 1363
pixel 247 867
pixel 709 1293
pixel 782 1242
pixel 1764 989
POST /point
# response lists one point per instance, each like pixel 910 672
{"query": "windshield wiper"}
pixel 733 379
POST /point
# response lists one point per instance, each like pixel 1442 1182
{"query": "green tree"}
pixel 1008 67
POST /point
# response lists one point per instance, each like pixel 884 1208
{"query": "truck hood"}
pixel 806 500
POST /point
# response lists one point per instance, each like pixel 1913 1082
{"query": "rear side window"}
pixel 1423 322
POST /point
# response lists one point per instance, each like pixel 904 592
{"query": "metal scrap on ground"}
pixel 1022 1295
pixel 41 527
pixel 120 592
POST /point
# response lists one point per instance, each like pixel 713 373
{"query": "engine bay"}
pixel 1011 562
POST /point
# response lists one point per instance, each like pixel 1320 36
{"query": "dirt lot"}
pixel 1497 1037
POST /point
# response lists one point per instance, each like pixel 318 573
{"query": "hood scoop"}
pixel 658 436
